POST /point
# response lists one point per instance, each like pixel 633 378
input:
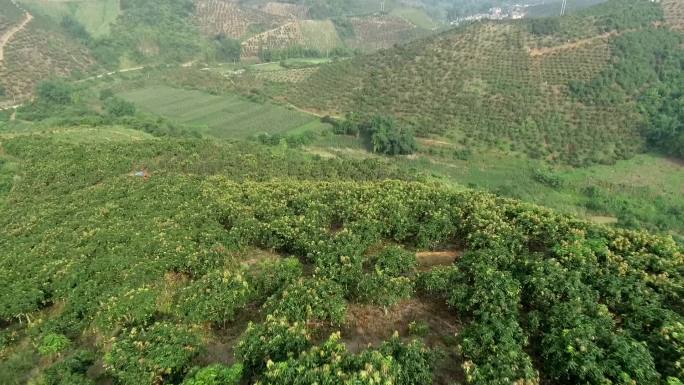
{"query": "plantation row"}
pixel 50 54
pixel 215 17
pixel 106 276
pixel 499 85
pixel 674 14
pixel 372 33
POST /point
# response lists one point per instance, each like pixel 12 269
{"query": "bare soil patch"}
pixel 369 326
pixel 429 259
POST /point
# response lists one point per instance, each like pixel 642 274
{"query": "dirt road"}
pixel 7 37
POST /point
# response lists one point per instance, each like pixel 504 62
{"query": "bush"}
pixel 118 107
pixel 216 297
pixel 393 363
pixel 216 374
pixel 159 353
pixel 547 178
pixel 53 343
pixel 54 92
pixel 274 340
pixel 390 139
pixel 269 277
pixel 309 300
pixel 70 371
pixel 133 308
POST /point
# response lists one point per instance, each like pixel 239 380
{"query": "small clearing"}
pixel 535 52
pixel 368 325
pixel 429 259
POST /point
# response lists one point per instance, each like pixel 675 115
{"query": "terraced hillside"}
pixel 228 17
pixel 10 16
pixel 506 84
pixel 291 11
pixel 315 34
pixel 674 13
pixel 375 32
pixel 50 53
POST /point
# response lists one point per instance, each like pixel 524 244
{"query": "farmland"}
pixel 52 53
pixel 219 116
pixel 312 34
pixel 231 258
pixel 499 85
pixel 318 193
pixel 227 17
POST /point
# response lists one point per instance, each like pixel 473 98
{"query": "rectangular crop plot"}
pixel 226 116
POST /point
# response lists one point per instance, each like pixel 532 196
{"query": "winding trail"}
pixel 5 39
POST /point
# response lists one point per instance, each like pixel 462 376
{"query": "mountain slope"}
pixel 502 84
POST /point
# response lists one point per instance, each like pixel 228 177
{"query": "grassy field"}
pixel 94 15
pixel 224 116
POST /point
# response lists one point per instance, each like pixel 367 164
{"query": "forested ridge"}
pixel 108 276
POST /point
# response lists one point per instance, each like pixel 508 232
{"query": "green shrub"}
pixel 545 25
pixel 53 343
pixel 216 374
pixel 71 371
pixel 309 300
pixel 418 328
pixel 216 297
pixel 547 178
pixel 275 339
pixel 159 353
pixel 133 308
pixel 393 363
pixel 395 261
pixel 118 107
pixel 268 277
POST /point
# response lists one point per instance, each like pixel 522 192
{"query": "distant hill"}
pixel 228 17
pixel 39 41
pixel 508 84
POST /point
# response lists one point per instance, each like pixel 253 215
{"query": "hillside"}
pixel 372 33
pixel 228 17
pixel 37 40
pixel 231 259
pixel 319 35
pixel 509 84
pixel 96 16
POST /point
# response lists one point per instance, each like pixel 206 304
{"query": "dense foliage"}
pixel 648 69
pixel 159 267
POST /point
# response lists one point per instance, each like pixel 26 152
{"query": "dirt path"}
pixel 5 39
pixel 534 52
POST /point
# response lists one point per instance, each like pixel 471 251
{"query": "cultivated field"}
pixel 50 54
pixel 493 84
pixel 674 13
pixel 316 34
pixel 375 32
pixel 220 116
pixel 229 18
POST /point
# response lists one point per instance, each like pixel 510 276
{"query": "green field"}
pixel 95 15
pixel 226 116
